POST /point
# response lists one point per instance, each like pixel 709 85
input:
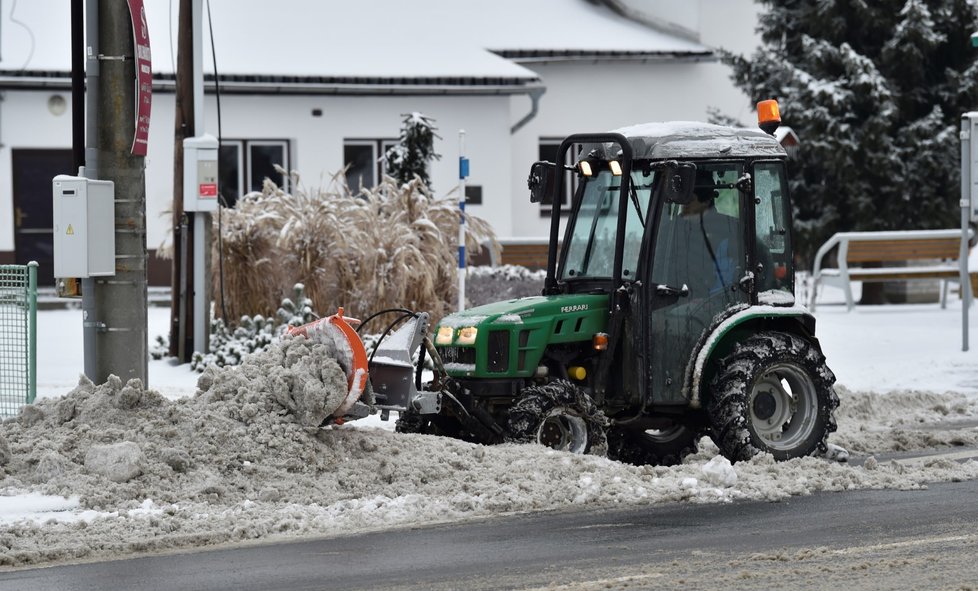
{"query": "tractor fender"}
pixel 794 318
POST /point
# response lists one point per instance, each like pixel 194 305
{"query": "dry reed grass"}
pixel 391 246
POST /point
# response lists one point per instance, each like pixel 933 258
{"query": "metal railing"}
pixel 18 337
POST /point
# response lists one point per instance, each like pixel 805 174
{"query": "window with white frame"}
pixel 245 164
pixel 363 159
pixel 548 152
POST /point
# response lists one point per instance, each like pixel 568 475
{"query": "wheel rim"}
pixel 562 431
pixel 666 435
pixel 783 407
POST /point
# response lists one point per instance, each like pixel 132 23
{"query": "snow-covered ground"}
pixel 231 465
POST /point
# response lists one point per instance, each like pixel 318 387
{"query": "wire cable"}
pixel 387 311
pixel 173 59
pixel 30 54
pixel 220 196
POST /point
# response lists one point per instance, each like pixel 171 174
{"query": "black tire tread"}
pixel 631 446
pixel 535 402
pixel 731 387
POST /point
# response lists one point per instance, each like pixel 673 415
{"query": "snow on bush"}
pixel 386 247
pixel 484 285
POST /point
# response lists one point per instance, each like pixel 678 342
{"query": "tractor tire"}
pixel 411 422
pixel 662 447
pixel 558 415
pixel 773 393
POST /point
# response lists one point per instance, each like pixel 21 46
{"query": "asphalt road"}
pixel 853 540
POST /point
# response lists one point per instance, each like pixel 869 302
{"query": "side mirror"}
pixel 675 182
pixel 541 181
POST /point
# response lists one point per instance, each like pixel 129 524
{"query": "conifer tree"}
pixel 416 149
pixel 875 91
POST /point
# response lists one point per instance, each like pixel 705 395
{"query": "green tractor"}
pixel 667 312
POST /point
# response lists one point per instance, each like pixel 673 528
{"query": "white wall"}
pixel 25 122
pixel 728 24
pixel 316 142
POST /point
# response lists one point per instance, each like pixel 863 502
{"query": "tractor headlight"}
pixel 467 335
pixel 445 335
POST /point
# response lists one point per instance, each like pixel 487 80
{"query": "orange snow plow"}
pixel 340 330
pixel 387 376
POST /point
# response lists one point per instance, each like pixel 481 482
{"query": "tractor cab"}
pixel 679 224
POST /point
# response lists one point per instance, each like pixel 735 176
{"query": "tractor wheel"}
pixel 412 422
pixel 773 393
pixel 655 447
pixel 558 415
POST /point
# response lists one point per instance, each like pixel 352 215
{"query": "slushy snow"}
pixel 128 470
pixel 243 458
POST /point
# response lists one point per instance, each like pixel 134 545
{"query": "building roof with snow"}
pixel 339 46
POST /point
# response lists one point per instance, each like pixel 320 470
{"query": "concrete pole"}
pixel 121 300
pixel 202 219
pixel 90 321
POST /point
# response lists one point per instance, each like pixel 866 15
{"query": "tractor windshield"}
pixel 591 241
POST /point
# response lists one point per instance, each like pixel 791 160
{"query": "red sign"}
pixel 208 190
pixel 144 77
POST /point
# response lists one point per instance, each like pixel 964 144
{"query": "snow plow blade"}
pixel 389 372
pixel 338 330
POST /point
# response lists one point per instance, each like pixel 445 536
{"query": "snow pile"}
pixel 904 420
pixel 244 459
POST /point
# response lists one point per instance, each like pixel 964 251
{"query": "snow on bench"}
pixel 941 247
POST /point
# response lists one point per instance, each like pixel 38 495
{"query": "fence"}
pixel 18 337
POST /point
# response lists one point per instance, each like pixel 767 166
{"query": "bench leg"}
pixel 944 283
pixel 847 289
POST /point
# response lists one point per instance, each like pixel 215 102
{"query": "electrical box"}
pixel 969 163
pixel 84 227
pixel 200 173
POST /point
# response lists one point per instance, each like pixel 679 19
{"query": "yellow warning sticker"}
pixel 71 231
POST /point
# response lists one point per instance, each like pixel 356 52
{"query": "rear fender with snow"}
pixel 728 329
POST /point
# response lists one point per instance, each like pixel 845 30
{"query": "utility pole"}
pixel 181 310
pixel 120 301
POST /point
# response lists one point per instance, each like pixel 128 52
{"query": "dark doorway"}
pixel 33 212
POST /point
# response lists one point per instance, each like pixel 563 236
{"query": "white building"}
pixel 316 85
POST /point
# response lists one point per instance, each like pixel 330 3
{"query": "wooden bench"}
pixel 530 253
pixel 940 248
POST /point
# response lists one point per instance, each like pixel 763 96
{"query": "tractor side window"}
pixel 635 221
pixel 699 244
pixel 591 251
pixel 771 227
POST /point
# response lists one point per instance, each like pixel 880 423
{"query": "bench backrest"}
pixel 865 251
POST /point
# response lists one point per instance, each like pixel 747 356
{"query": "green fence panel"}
pixel 18 337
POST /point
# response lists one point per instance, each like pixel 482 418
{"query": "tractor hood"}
pixel 509 338
pixel 523 310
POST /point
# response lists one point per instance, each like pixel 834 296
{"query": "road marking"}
pixel 959 455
